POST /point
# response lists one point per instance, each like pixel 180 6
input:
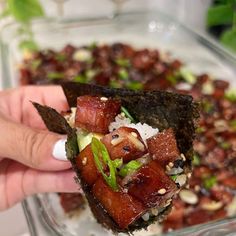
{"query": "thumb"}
pixel 31 147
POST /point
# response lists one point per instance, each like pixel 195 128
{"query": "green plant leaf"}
pixel 4 13
pixel 25 10
pixel 228 38
pixel 220 15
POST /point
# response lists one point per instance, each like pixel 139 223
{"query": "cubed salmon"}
pixel 95 113
pixel 163 147
pixel 124 143
pixel 151 185
pixel 123 208
pixel 86 165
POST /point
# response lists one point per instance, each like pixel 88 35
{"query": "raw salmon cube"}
pixel 86 165
pixel 163 147
pixel 151 185
pixel 123 208
pixel 124 143
pixel 95 114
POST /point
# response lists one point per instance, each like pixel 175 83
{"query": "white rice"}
pixel 145 130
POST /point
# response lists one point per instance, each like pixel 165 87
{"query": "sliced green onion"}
pixel 209 182
pixel 200 130
pixel 134 85
pixel 231 95
pixel 173 177
pixel 127 114
pixel 129 168
pixel 122 62
pixel 196 160
pixel 80 79
pixel 35 64
pixel 123 74
pixel 187 75
pixel 100 153
pixel 115 84
pixel 90 74
pixel 92 46
pixel 232 124
pixel 117 163
pixel 207 106
pixel 225 145
pixel 172 79
pixel 55 75
pixel 60 57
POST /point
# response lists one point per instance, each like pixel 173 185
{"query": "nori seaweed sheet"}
pixel 159 109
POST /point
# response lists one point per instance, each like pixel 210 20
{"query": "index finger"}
pixel 15 103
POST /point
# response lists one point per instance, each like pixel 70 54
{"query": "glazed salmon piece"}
pixel 151 185
pixel 123 208
pixel 95 113
pixel 163 147
pixel 124 143
pixel 86 165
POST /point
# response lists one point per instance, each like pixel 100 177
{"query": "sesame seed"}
pixel 183 157
pixel 171 164
pixel 116 141
pixel 103 99
pixel 84 161
pixel 168 168
pixel 197 188
pixel 162 191
pixel 134 134
pixel 189 175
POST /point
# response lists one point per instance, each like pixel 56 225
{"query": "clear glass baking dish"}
pixel 141 29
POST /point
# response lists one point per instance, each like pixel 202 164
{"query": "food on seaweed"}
pixel 124 142
pixel 96 113
pixel 215 144
pixel 163 148
pixel 121 206
pixel 125 187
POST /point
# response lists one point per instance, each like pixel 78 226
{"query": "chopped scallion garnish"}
pixel 101 156
pixel 55 75
pixel 196 160
pixel 60 57
pixel 129 168
pixel 122 62
pixel 127 114
pixel 123 74
pixel 231 95
pixel 225 145
pixel 134 85
pixel 117 163
pixel 173 177
pixel 232 124
pixel 187 75
pixel 209 182
pixel 80 79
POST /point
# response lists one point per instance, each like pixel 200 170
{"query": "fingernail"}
pixel 59 150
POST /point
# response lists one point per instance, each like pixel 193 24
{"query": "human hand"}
pixel 28 157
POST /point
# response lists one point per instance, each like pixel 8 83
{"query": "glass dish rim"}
pixel 86 22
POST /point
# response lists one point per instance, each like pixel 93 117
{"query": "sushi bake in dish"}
pixel 131 151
